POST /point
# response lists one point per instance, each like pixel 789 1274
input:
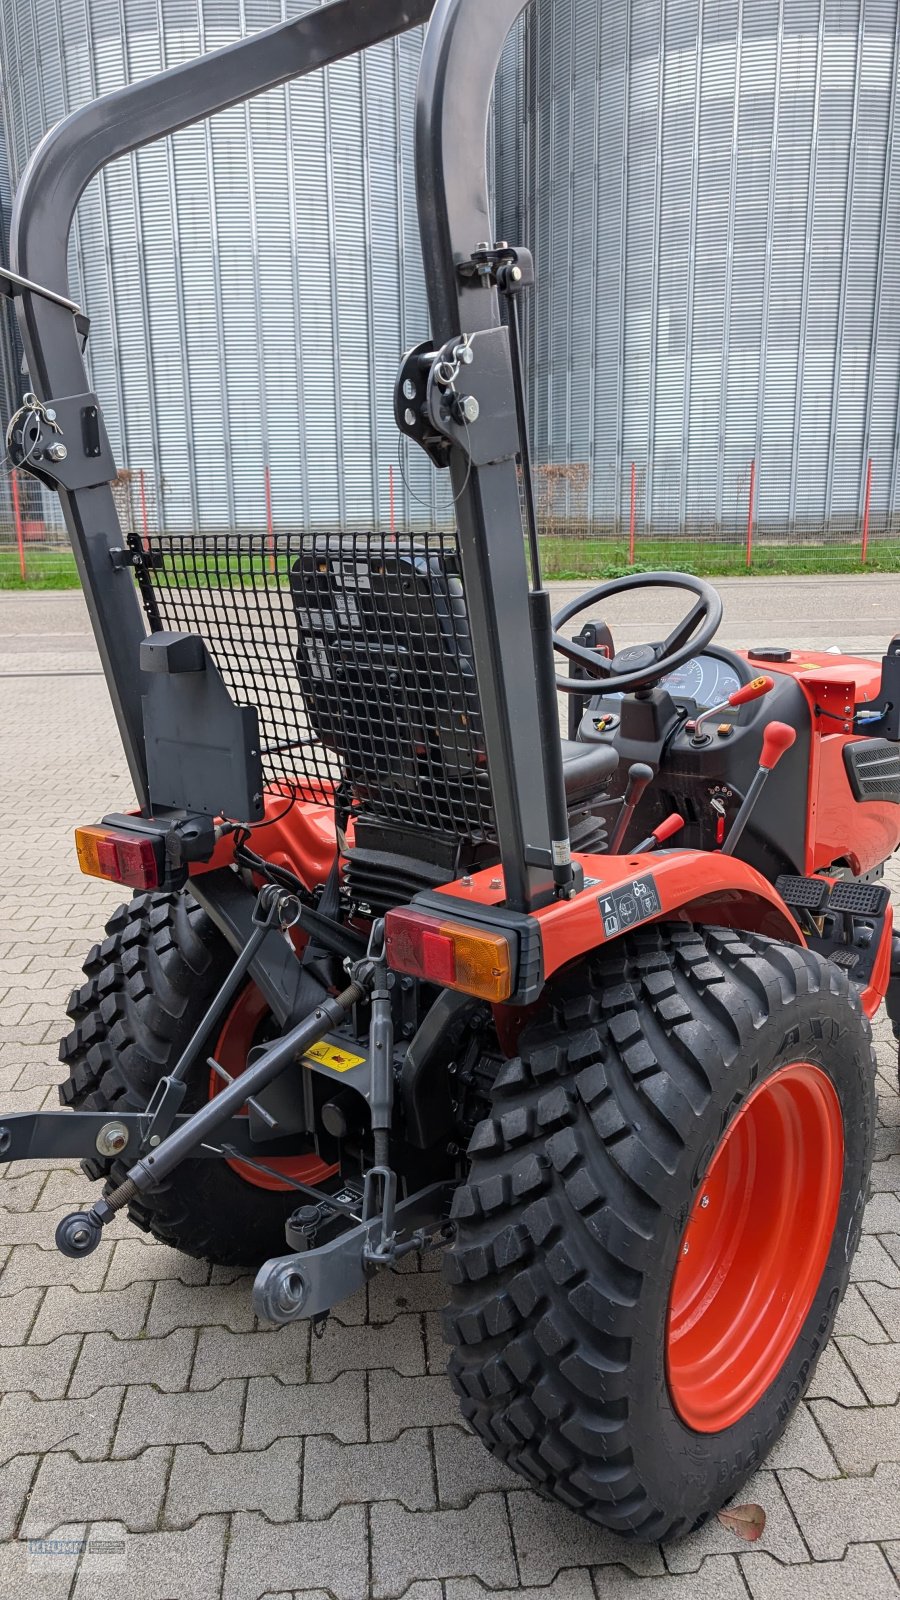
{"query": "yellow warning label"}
pixel 328 1056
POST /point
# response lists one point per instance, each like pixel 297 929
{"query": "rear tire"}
pixel 582 1180
pixel 148 987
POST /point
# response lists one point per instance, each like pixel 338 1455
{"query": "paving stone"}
pixel 833 1380
pixel 143 1261
pixel 159 1566
pixel 42 1572
pixel 891 1549
pixel 398 1345
pixel 41 1370
pixel 30 1267
pixel 859 1437
pixel 20 1193
pixel 408 1545
pixel 66 1488
pixel 416 1591
pixel 802 1445
pixel 392 1293
pixel 104 1359
pixel 864 1572
pixel 148 1417
pixel 782 1535
pixel 891 1243
pixel 253 1480
pixel 396 1403
pixel 882 1214
pixel 856 1318
pixel 354 1311
pixel 264 1557
pixel 844 1511
pixel 873 1264
pixel 15 1480
pixel 437 1350
pixel 279 1353
pixel 180 1305
pixel 335 1474
pixel 886 1172
pixel 465 1468
pixel 17 1313
pixel 117 1311
pixel 885 1305
pixel 85 1427
pixel 549 1538
pixel 278 1411
pixel 876 1367
pixel 572 1585
pixel 719 1578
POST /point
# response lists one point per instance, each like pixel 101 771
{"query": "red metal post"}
pixel 866 510
pixel 750 512
pixel 270 524
pixel 631 524
pixel 17 513
pixel 391 487
pixel 144 520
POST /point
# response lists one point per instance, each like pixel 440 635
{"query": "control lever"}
pixel 777 738
pixel 639 775
pixel 666 830
pixel 741 697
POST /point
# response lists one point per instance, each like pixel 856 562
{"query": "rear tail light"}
pixel 120 857
pixel 455 955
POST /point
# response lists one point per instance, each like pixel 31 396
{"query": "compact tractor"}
pixel 404 969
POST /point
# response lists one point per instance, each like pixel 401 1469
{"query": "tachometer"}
pixel 686 682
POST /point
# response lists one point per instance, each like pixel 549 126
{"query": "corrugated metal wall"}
pixel 713 197
pixel 236 322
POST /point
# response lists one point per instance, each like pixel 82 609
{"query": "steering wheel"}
pixel 641 665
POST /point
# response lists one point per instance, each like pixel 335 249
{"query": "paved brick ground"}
pixel 140 1404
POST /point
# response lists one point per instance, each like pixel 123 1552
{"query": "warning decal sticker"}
pixel 625 907
pixel 328 1056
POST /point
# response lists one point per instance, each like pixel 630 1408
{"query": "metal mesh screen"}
pixel 355 649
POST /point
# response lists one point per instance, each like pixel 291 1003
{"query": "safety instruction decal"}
pixel 624 908
pixel 327 1055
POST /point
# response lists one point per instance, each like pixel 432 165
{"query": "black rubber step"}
pixel 845 958
pixel 860 899
pixel 811 893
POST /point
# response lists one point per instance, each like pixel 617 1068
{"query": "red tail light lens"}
pixel 118 857
pixel 455 955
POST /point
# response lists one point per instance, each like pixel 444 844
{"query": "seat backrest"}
pixel 385 667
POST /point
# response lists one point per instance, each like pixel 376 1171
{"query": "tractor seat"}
pixel 586 768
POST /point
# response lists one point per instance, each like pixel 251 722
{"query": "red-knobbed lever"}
pixel 666 830
pixel 741 697
pixel 777 738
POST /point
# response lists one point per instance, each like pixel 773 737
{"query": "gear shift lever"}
pixel 639 775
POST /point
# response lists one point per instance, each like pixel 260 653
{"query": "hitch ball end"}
pixel 78 1234
pixel 280 1292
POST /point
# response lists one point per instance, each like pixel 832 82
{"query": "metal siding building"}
pixel 246 293
pixel 712 193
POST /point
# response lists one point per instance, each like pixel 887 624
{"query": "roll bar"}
pixel 461 54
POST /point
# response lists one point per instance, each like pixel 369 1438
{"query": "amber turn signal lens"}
pixel 118 857
pixel 455 955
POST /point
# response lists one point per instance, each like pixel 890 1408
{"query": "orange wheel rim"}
pixel 238 1035
pixel 755 1247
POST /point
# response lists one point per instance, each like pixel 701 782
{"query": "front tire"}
pixel 587 1354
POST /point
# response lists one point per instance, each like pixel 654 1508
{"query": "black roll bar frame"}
pixel 462 50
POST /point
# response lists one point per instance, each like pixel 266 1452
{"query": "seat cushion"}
pixel 586 768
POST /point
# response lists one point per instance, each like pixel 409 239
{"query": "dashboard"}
pixel 705 681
